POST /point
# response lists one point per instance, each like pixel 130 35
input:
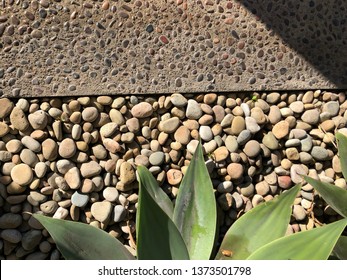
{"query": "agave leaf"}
pixel 157 236
pixel 336 197
pixel 78 241
pixel 259 226
pixel 195 212
pixel 314 244
pixel 342 147
pixel 149 182
pixel 340 249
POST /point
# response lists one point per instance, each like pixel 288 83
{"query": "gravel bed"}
pixel 75 158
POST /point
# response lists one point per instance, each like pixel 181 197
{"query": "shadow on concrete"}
pixel 315 29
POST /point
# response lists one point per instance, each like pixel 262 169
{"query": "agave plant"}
pixel 187 231
pixel 335 196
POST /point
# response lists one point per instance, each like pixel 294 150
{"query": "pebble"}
pixel 79 199
pixel 49 207
pixel 252 148
pixel 90 114
pixel 11 235
pixel 182 135
pixel 299 212
pixel 38 119
pixel 61 213
pixel 18 119
pixel 119 213
pixel 332 108
pixel 221 154
pixel 174 176
pixel 127 173
pixel 22 174
pixel 4 129
pixel 6 107
pixel 10 221
pixel 193 111
pixel 67 148
pixel 90 169
pixel 178 100
pixel 31 144
pixel 169 125
pixel 205 133
pixel 238 124
pixel 31 239
pixel 142 110
pixel 73 178
pixel 225 187
pixel 101 211
pixel 311 116
pixel 157 158
pixel 270 141
pixel 319 153
pixel 281 129
pixel 111 194
pixel 235 170
pixel 252 125
pixel 231 143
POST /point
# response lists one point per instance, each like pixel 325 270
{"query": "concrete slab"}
pixel 57 48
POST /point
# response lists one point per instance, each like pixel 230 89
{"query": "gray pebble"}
pixel 79 199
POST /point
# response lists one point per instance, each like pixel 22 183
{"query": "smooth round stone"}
pixel 319 153
pixel 238 201
pixel 38 119
pixel 252 125
pixel 40 169
pixel 275 115
pixel 270 141
pixel 231 143
pixel 4 129
pixel 127 137
pixel 119 213
pixel 311 116
pixel 6 107
pixel 133 125
pixel 192 145
pixel 22 174
pixel 18 119
pixel 76 132
pixel 178 100
pixel 67 148
pixel 79 199
pixel 61 213
pixel 297 134
pixel 11 235
pixel 227 120
pixel 328 125
pixel 101 211
pixel 193 111
pixel 64 165
pixel 99 151
pixel 225 187
pixel 292 154
pixel 284 182
pixel 296 172
pixel 221 154
pixel 299 212
pixel 174 176
pixel 297 107
pixel 262 188
pixel 182 135
pixel 111 194
pixel 238 124
pixel 90 114
pixel 10 220
pixel 90 169
pixel 49 207
pixel 205 133
pixel 219 113
pixel 118 102
pixel 235 170
pixel 306 144
pixel 281 129
pixel 157 158
pixel 117 117
pixel 292 143
pixel 169 125
pixel 331 107
pixel 258 114
pixel 142 110
pixel 107 130
pixel 127 173
pixel 210 146
pixel 28 157
pixel 246 110
pixel 14 146
pixel 257 199
pixel 252 148
pixel 5 156
pixel 273 97
pixel 308 97
pixel 73 178
pixel 305 158
pixel 243 137
pixel 31 239
pixel 31 144
pixel 142 160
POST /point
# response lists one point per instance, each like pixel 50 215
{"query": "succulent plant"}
pixel 187 230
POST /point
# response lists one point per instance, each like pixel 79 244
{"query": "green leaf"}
pixel 342 147
pixel 78 241
pixel 195 212
pixel 259 226
pixel 314 244
pixel 335 196
pixel 161 198
pixel 340 249
pixel 157 236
